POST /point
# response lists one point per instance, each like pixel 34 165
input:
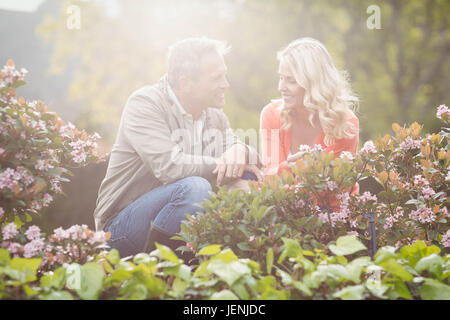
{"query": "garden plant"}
pixel 301 235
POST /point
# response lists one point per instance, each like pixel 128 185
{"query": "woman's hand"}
pixel 293 158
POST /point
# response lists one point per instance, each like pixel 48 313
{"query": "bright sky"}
pixel 112 6
pixel 20 5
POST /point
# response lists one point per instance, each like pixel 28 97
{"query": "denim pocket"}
pixel 124 246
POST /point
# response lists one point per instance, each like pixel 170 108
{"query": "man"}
pixel 173 142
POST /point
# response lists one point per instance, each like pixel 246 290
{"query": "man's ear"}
pixel 184 84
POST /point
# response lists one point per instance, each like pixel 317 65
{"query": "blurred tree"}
pixel 398 71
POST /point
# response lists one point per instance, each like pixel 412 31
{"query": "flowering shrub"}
pixel 316 202
pixel 36 148
pixel 416 271
pixel 75 244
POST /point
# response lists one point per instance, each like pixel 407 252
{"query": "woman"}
pixel 315 107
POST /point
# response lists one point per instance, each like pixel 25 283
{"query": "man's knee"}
pixel 197 188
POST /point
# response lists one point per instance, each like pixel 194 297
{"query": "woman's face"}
pixel 291 92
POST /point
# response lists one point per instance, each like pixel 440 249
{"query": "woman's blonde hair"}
pixel 327 91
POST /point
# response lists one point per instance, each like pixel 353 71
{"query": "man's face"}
pixel 209 89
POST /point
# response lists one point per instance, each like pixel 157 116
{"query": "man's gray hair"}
pixel 184 57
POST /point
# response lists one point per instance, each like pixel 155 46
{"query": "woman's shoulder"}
pixel 272 108
pixel 271 114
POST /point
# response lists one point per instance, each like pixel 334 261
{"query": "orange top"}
pixel 276 143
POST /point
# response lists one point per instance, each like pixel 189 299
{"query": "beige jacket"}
pixel 152 149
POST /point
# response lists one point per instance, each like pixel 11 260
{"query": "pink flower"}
pixel 14 247
pixel 2 151
pixel 251 238
pixel 352 233
pixel 446 239
pixel 60 234
pixel 33 248
pixel 409 144
pixel 33 233
pixel 367 196
pixel 47 199
pixel 353 223
pixel 2 212
pixel 419 180
pixel 423 215
pixel 428 192
pixel 9 231
pixel 189 245
pixel 389 222
pixel 331 185
pixel 21 156
pixel 97 237
pixel 442 110
pixel 317 147
pixel 369 147
pixel 304 148
pixel 323 217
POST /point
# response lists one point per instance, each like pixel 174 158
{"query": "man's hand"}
pixel 232 163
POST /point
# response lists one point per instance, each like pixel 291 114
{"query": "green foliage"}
pixel 317 201
pixel 222 275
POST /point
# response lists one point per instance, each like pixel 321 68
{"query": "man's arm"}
pixel 147 131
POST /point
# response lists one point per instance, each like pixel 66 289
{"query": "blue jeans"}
pixel 164 206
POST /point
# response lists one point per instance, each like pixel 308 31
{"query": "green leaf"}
pixel 29 291
pixel 224 295
pixel 178 287
pixel 302 288
pixel 28 266
pixel 269 260
pixel 167 253
pixel 244 246
pixel 210 250
pixel 184 272
pixel 18 222
pixel 432 263
pixel 396 269
pixel 400 290
pixel 91 280
pixel 120 275
pixel 4 257
pixel 292 249
pixel 347 245
pixel 355 268
pixel 113 256
pixel 156 286
pixel 377 288
pixel 56 295
pixel 226 255
pixel 350 293
pixel 385 253
pixel 240 290
pixel 55 280
pixel 434 290
pixel 228 272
